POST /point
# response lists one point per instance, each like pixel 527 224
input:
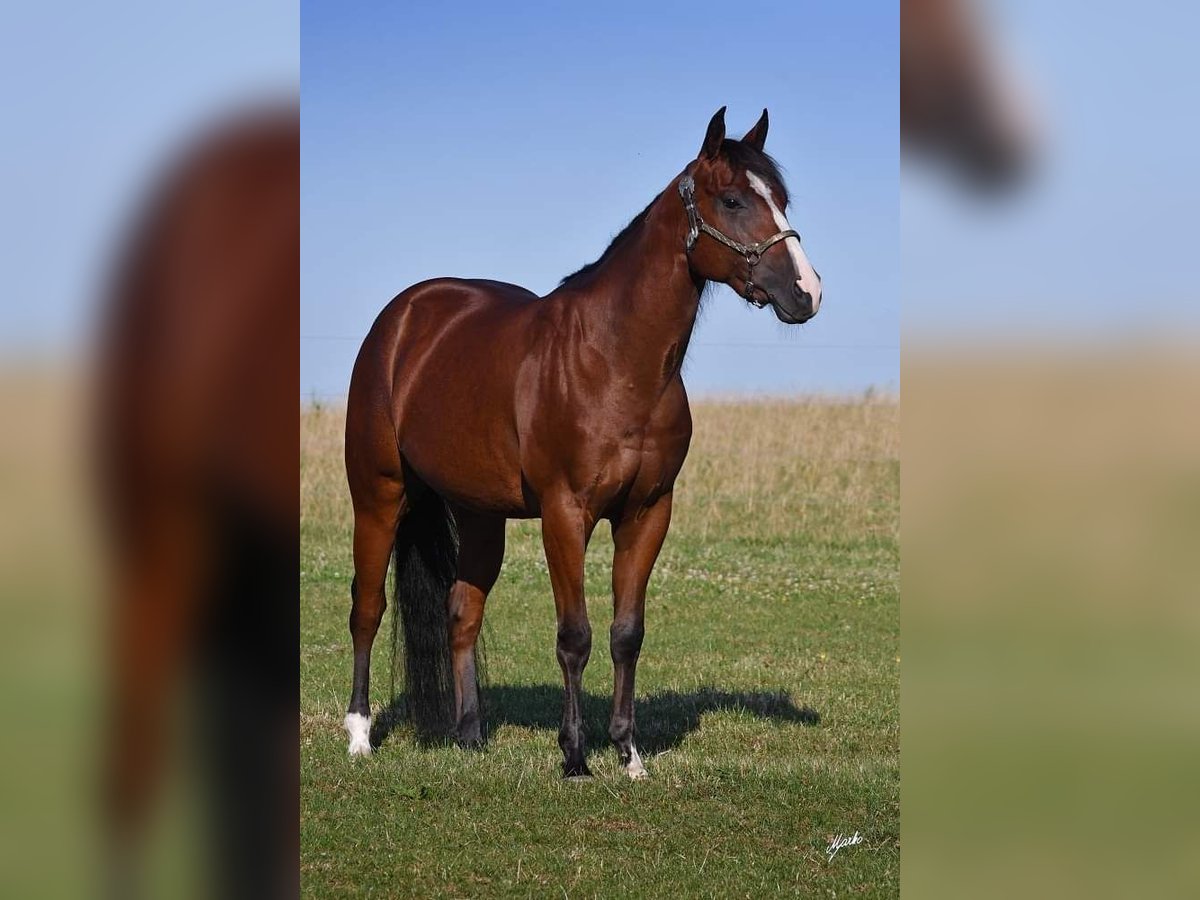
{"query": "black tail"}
pixel 426 563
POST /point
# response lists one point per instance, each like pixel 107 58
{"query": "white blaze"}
pixel 808 278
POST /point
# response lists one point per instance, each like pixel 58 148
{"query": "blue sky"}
pixel 96 98
pixel 511 141
pixel 421 130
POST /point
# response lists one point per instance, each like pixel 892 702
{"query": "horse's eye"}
pixel 731 202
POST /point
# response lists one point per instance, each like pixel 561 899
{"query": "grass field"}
pixel 767 703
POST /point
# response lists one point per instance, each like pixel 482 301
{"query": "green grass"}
pixel 767 703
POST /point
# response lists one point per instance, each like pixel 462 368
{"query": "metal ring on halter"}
pixel 752 253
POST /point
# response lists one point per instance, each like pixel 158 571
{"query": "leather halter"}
pixel 752 253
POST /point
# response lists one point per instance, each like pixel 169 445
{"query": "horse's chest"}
pixel 639 464
pixel 608 457
pixel 625 458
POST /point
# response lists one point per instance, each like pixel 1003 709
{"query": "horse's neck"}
pixel 641 303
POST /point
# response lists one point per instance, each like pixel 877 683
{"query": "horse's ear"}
pixel 714 136
pixel 756 137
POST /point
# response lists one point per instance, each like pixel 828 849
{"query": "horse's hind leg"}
pixel 375 521
pixel 480 553
pixel 637 539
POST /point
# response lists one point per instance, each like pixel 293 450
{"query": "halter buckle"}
pixel 750 298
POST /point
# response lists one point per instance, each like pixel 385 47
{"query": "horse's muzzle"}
pixel 798 308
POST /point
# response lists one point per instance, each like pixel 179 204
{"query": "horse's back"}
pixel 427 315
pixel 458 295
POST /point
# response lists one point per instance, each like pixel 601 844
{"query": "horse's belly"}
pixel 467 466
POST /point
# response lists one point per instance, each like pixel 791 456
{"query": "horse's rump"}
pixel 446 357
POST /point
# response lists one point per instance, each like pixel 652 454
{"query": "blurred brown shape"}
pixel 958 104
pixel 196 427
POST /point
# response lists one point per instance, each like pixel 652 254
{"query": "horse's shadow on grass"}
pixel 663 719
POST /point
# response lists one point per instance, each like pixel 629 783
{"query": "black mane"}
pixel 740 156
pixel 592 266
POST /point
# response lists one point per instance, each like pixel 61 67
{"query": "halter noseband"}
pixel 752 253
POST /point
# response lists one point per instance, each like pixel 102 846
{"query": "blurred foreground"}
pixel 150 535
pixel 1051 488
pixel 148 375
pixel 196 459
pixel 1051 621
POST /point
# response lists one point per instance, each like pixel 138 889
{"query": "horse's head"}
pixel 957 102
pixel 735 199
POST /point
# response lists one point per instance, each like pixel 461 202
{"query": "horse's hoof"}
pixel 634 768
pixel 577 773
pixel 358 727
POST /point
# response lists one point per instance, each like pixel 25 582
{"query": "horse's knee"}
pixel 625 639
pixel 574 643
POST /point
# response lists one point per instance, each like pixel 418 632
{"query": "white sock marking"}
pixel 635 769
pixel 358 727
pixel 804 270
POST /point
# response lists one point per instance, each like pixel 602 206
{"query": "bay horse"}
pixel 472 402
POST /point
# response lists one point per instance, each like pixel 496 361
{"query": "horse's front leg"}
pixel 565 531
pixel 638 537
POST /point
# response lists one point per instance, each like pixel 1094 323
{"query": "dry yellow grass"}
pixel 758 469
pixel 771 468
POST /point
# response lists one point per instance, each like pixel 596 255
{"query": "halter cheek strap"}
pixel 752 253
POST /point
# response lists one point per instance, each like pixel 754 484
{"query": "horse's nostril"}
pixel 799 292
